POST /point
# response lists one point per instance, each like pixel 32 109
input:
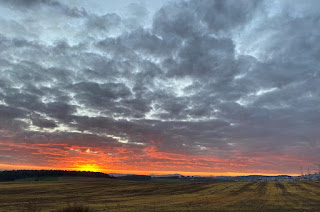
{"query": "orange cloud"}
pixel 125 159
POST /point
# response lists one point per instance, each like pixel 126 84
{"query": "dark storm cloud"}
pixel 10 113
pixel 42 123
pixel 218 78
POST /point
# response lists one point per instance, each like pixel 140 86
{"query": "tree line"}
pixel 20 174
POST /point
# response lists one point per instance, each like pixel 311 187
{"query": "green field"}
pixel 116 195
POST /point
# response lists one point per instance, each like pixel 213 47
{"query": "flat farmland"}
pixel 117 195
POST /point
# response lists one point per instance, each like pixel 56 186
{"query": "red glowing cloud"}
pixel 128 159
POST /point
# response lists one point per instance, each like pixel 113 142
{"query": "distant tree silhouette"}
pixel 135 177
pixel 20 174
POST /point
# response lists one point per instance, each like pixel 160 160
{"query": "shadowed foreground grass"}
pixel 115 195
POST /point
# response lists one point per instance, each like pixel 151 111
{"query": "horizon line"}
pixel 182 173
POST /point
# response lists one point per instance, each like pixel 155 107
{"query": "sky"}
pixel 210 87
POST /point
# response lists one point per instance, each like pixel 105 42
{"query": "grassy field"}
pixel 115 195
pixel 45 179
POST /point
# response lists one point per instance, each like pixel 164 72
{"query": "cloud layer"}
pixel 197 86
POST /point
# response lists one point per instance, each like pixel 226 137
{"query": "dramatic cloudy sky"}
pixel 195 87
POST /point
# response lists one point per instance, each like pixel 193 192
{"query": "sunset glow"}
pixel 88 167
pixel 149 161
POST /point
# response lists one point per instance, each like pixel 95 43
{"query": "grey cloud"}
pixel 21 3
pixel 136 15
pixel 43 123
pixel 59 109
pixel 9 116
pixel 108 90
pixel 32 4
pixel 145 42
pixel 137 10
pixel 176 21
pixel 11 112
pixel 203 56
pixel 104 23
pixel 225 15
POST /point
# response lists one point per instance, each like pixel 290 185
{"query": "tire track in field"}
pixel 223 192
pixel 289 198
pixel 299 189
pixel 262 204
pixel 299 199
pixel 282 196
pixel 277 197
pixel 230 192
pixel 230 186
pixel 312 184
pixel 262 188
pixel 244 188
pixel 250 195
pixel 304 194
pixel 283 189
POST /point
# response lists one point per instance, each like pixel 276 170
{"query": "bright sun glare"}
pixel 88 167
